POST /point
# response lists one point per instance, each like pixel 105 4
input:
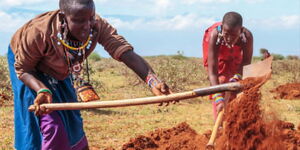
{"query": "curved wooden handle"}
pixel 142 101
pixel 117 103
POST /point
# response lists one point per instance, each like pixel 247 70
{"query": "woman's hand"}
pixel 44 95
pixel 41 98
pixel 161 89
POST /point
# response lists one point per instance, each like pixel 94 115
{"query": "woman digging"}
pixel 227 47
pixel 46 57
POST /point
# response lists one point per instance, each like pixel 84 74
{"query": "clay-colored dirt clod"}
pixel 288 91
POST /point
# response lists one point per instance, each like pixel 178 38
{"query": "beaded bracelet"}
pixel 218 97
pixel 235 78
pixel 152 80
pixel 44 91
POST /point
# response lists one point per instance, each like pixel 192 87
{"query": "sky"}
pixel 164 27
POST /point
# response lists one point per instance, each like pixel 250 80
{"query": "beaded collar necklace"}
pixel 68 45
pixel 76 48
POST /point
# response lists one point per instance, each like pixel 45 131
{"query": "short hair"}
pixel 67 5
pixel 232 19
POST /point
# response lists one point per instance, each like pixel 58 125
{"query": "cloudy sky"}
pixel 163 27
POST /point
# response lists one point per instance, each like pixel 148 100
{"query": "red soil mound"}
pixel 287 91
pixel 244 127
pixel 179 137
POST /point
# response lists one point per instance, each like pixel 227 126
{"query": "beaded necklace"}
pixel 76 50
pixel 87 44
pixel 220 38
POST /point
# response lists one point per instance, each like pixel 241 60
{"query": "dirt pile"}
pixel 287 91
pixel 244 127
pixel 179 137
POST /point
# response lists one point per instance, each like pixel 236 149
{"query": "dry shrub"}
pixel 5 88
pixel 179 74
pixel 289 69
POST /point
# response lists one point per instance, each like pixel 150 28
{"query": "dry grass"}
pixel 115 126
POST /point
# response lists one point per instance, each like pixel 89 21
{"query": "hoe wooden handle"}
pixel 210 144
pixel 142 101
pixel 116 103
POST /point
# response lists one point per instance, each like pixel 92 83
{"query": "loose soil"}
pixel 289 91
pixel 244 127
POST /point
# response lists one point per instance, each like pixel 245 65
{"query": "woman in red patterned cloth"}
pixel 227 47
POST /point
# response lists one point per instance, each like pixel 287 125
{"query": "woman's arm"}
pixel 31 81
pixel 247 50
pixel 213 54
pixel 136 63
pixel 44 95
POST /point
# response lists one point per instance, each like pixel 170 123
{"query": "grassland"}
pixel 113 80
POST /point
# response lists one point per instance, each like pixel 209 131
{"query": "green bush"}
pixel 292 57
pixel 95 56
pixel 277 56
pixel 263 50
pixel 256 58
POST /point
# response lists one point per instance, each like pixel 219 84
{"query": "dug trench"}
pixel 244 127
